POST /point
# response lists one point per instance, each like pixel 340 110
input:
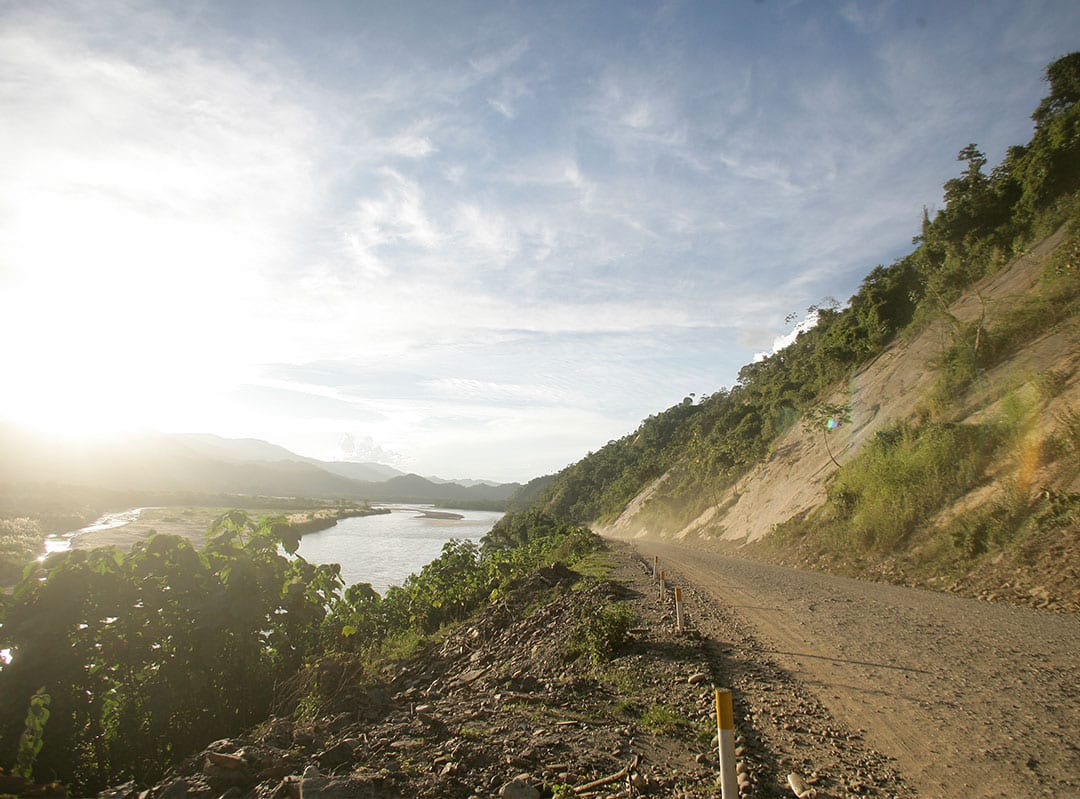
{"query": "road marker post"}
pixel 655 566
pixel 725 735
pixel 678 610
pixel 661 585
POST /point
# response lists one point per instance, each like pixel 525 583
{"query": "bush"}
pixel 604 630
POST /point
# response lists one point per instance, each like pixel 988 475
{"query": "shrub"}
pixel 604 630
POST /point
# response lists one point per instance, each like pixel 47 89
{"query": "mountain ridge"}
pixel 214 465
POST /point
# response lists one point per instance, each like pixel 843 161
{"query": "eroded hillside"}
pixel 1030 394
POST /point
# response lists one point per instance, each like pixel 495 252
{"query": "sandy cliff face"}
pixel 892 387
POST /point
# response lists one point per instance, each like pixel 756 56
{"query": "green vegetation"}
pixel 903 477
pixel 896 484
pixel 30 742
pixel 665 720
pixel 20 542
pixel 147 656
pixel 602 631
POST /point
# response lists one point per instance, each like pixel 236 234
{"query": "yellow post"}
pixel 678 609
pixel 725 733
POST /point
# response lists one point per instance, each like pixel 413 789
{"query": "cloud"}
pixel 495 393
pixel 364 449
pixel 397 217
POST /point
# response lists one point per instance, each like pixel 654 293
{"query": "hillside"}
pixel 925 432
pixel 783 503
pixel 896 385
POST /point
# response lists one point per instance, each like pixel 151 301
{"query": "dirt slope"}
pixel 889 388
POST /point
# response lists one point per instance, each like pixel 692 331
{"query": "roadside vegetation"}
pixel 143 657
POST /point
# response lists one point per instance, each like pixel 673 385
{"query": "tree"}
pixel 1063 75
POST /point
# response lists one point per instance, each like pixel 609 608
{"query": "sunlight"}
pixel 124 321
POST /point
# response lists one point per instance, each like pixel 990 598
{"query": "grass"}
pixel 665 720
pixel 904 476
pixel 597 565
pixel 622 680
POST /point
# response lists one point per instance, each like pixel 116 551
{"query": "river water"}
pixel 383 550
pixel 61 542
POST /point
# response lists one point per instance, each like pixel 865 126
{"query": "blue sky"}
pixel 464 239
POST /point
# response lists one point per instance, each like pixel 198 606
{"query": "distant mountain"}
pixel 215 465
pixel 253 450
pixel 413 488
pixel 236 450
pixel 369 472
pixel 460 482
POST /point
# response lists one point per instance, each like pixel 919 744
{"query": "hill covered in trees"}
pixel 993 279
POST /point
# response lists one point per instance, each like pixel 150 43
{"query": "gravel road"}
pixel 964 698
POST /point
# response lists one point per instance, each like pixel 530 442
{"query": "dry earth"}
pixel 967 698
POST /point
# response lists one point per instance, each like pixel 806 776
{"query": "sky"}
pixel 463 239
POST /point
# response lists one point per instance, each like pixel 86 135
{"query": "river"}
pixel 61 542
pixel 382 550
pixel 385 549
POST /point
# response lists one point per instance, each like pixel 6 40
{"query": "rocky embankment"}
pixel 516 703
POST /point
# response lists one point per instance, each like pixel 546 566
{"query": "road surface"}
pixel 967 698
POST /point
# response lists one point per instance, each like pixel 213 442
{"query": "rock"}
pixel 799 787
pixel 336 755
pixel 314 784
pixel 177 789
pixel 700 677
pixel 221 760
pixel 126 791
pixel 518 789
pixel 470 676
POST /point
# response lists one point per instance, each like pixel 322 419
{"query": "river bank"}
pixel 193 522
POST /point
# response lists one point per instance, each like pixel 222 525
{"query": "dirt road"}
pixel 964 698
